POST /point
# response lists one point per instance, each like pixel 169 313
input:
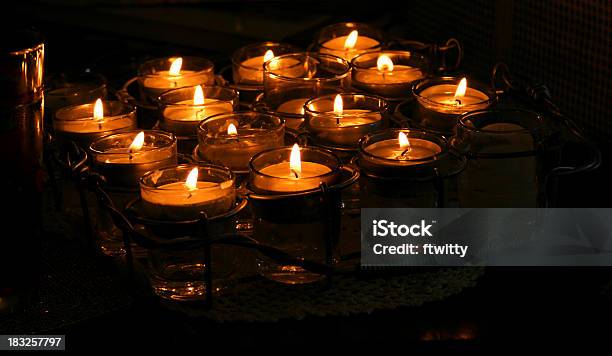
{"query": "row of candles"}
pixel 342 105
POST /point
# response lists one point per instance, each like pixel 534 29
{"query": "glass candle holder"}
pixel 292 79
pixel 348 40
pixel 233 146
pixel 168 194
pixel 340 120
pixel 504 168
pixel 181 110
pixel 77 123
pixel 438 103
pixel 402 168
pixel 159 75
pixel 290 213
pixel 66 89
pixel 389 74
pixel 248 61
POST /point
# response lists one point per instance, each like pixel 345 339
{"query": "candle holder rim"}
pixel 438 140
pixel 281 124
pixel 463 118
pixel 209 65
pixel 130 109
pixel 392 51
pixel 382 100
pixel 343 61
pixel 333 170
pixel 259 105
pixel 103 83
pixel 169 135
pixel 232 176
pixel 237 62
pixel 349 24
pixel 482 87
pixel 234 94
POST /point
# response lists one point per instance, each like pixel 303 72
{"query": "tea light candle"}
pixel 84 123
pixel 404 150
pixel 293 107
pixel 160 75
pixel 207 189
pixel 182 117
pixel 349 46
pixel 125 157
pixel 294 175
pixel 386 78
pixel 232 140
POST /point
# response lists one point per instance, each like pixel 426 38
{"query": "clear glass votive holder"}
pixel 68 89
pixel 248 61
pixel 505 158
pixel 361 114
pixel 292 79
pixel 254 132
pixel 437 109
pixel 334 39
pixel 396 176
pixel 389 74
pixel 181 113
pixel 154 76
pixel 291 213
pixel 76 123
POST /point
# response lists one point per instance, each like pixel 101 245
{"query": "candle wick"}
pixel 457 102
pixel 338 120
pixel 404 154
pixel 296 173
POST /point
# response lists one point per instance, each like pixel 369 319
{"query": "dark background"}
pixel 565 44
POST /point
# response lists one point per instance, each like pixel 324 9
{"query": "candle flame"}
pixel 98 112
pixel 175 67
pixel 403 140
pixel 138 142
pixel 384 63
pixel 192 179
pixel 269 55
pixel 198 96
pixel 351 40
pixel 461 88
pixel 338 105
pixel 231 130
pixel 295 161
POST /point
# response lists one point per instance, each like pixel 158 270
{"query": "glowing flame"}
pixel 98 113
pixel 295 161
pixel 338 105
pixel 384 63
pixel 461 88
pixel 175 67
pixel 192 179
pixel 138 142
pixel 269 55
pixel 198 96
pixel 231 130
pixel 351 40
pixel 403 141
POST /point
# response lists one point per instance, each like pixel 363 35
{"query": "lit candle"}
pixel 251 70
pixel 213 194
pixel 248 61
pixel 160 75
pixel 403 150
pixel 293 107
pixel 182 117
pixel 86 122
pixel 125 157
pixel 294 175
pixel 455 99
pixel 232 140
pixel 349 46
pixel 386 78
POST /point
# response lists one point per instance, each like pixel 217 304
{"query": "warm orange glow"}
pixel 295 161
pixel 461 88
pixel 198 96
pixel 403 141
pixel 338 105
pixel 231 130
pixel 384 63
pixel 192 179
pixel 269 55
pixel 138 142
pixel 98 113
pixel 175 67
pixel 351 40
